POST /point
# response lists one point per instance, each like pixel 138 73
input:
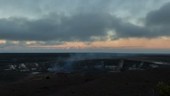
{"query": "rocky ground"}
pixel 129 83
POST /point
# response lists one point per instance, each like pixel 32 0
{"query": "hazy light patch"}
pixel 121 43
pixel 111 35
pixel 66 45
pixel 2 41
pixel 31 42
pixel 136 21
pixel 76 45
pixel 130 43
pixel 159 43
pixel 165 38
pixel 15 42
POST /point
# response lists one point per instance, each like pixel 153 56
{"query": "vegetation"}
pixel 163 89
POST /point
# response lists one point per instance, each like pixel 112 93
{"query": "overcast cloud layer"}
pixel 83 20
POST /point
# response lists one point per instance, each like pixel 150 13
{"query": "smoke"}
pixel 66 65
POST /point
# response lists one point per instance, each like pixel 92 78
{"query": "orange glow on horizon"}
pixel 156 43
pixel 2 41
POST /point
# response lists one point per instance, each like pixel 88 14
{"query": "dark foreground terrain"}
pixel 131 83
pixel 84 74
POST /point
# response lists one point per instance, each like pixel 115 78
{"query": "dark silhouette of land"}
pixel 129 79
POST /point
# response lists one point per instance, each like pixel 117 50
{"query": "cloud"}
pixel 57 27
pixel 159 17
pixel 158 21
pixel 35 9
pixel 78 27
pixel 156 25
pixel 83 24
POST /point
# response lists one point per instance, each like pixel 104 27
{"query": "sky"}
pixel 85 26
